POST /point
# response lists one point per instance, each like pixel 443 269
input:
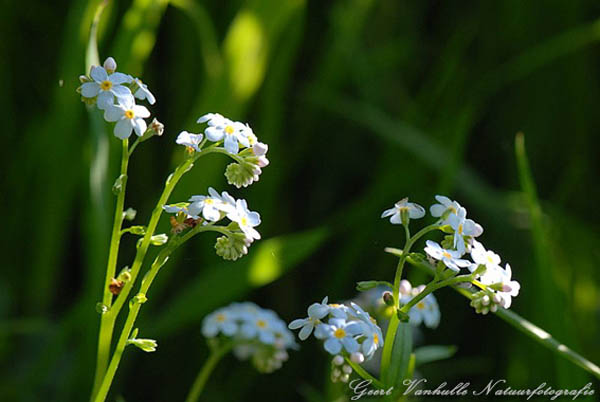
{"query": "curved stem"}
pixel 209 365
pixel 363 373
pixel 135 307
pixel 107 325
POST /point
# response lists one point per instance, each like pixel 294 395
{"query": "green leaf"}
pixel 267 261
pixel 433 353
pixel 400 355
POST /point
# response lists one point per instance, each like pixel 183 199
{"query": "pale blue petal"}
pixel 213 134
pixel 350 344
pixel 90 89
pixel 333 346
pixel 300 322
pixel 98 73
pixel 123 129
pixel 305 331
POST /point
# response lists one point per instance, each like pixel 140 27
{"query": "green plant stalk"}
pixel 135 307
pixel 364 374
pixel 528 328
pixel 107 325
pixel 393 326
pixel 209 365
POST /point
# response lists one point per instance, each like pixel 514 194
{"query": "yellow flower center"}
pixel 261 324
pixel 376 339
pixel 229 130
pixel 460 228
pixel 446 254
pixel 490 259
pixel 420 305
pixel 244 221
pixel 209 201
pixel 252 139
pixel 220 317
pixel 106 85
pixel 129 114
pixel 339 333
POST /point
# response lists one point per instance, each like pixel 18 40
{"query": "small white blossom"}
pixel 481 256
pixel 463 227
pixel 221 321
pixel 189 140
pixel 246 219
pixel 446 205
pixel 450 258
pixel 106 87
pixel 316 312
pixel 232 133
pixel 128 116
pixel 510 288
pixel 210 206
pixel 414 211
pixel 339 333
pixel 143 92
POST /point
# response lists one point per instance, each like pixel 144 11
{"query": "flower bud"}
pixel 365 285
pixel 147 345
pixel 388 298
pixel 260 149
pixel 129 214
pixel 155 128
pixel 345 378
pixel 347 369
pixel 357 357
pixel 485 300
pixel 338 360
pixel 263 161
pixel 110 65
pixel 159 240
pixel 84 78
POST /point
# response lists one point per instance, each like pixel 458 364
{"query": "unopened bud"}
pixel 83 79
pixel 260 149
pixel 129 214
pixel 338 360
pixel 485 300
pixel 263 161
pixel 388 298
pixel 110 65
pixel 365 285
pixel 347 369
pixel 357 357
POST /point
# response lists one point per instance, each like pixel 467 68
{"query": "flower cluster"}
pixel 211 208
pixel 496 282
pixel 115 93
pixel 347 331
pixel 238 140
pixel 256 333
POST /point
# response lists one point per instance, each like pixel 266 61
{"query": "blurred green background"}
pixel 362 102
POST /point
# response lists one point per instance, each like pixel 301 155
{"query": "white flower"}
pixel 223 321
pixel 106 87
pixel 246 219
pixel 445 205
pixel 316 312
pixel 481 256
pixel 463 227
pixel 370 330
pixel 450 258
pixel 189 140
pixel 143 92
pixel 425 311
pixel 232 133
pixel 340 333
pixel 179 207
pixel 128 116
pixel 415 211
pixel 511 288
pixel 211 206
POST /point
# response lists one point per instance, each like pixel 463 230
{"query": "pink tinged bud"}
pixel 263 161
pixel 338 360
pixel 110 65
pixel 260 149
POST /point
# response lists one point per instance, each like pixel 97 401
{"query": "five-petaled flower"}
pixel 316 312
pixel 246 219
pixel 450 258
pixel 339 333
pixel 106 87
pixel 232 133
pixel 128 116
pixel 410 209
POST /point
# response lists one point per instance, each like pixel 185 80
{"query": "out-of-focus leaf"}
pixel 428 354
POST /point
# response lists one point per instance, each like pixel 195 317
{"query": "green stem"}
pixel 107 325
pixel 364 374
pixel 432 287
pixel 209 365
pixel 529 329
pixel 135 307
pixel 393 326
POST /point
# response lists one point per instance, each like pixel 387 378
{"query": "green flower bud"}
pixel 129 214
pixel 231 247
pixel 388 298
pixel 118 185
pixel 147 345
pixel 242 175
pixel 159 239
pixel 137 230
